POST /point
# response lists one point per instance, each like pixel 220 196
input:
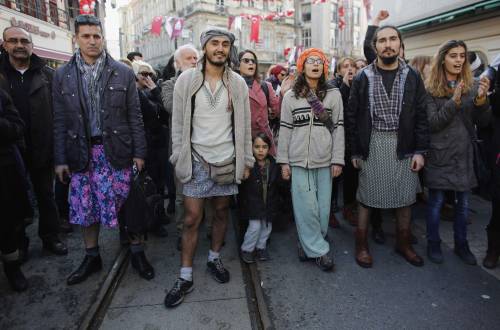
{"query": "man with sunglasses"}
pixel 28 81
pixel 98 136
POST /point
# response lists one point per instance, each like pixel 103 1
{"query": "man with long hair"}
pixel 210 126
pixel 388 135
pixel 311 150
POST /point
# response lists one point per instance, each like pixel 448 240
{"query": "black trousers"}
pixel 14 206
pixel 350 186
pixel 494 225
pixel 42 180
pixel 61 195
pixel 156 165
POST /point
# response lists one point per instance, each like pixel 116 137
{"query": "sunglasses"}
pixel 14 41
pixel 248 60
pixel 311 60
pixel 146 74
pixel 87 19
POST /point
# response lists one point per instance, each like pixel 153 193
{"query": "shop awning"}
pixel 474 9
pixel 51 54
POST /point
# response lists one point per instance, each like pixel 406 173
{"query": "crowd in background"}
pixel 211 126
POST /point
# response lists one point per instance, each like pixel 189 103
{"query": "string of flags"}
pixel 173 26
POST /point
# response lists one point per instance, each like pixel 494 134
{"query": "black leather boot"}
pixel 15 276
pixel 493 253
pixel 142 265
pixel 89 265
pixel 463 251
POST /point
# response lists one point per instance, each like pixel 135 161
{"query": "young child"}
pixel 259 200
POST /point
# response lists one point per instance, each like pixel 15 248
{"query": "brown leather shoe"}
pixel 333 222
pixel 350 216
pixel 405 249
pixel 363 257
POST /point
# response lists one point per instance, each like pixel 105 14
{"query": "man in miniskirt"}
pixel 388 133
pixel 210 124
pixel 98 135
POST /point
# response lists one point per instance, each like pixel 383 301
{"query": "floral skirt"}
pixel 96 195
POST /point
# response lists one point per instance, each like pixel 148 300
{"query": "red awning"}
pixel 45 53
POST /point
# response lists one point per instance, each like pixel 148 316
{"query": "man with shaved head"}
pixel 28 81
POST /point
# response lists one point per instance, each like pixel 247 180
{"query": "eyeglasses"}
pixel 146 74
pixel 14 41
pixel 311 60
pixel 248 60
pixel 87 19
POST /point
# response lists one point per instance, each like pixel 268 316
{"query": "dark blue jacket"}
pixel 121 118
pixel 250 197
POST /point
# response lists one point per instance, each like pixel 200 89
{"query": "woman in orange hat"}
pixel 311 149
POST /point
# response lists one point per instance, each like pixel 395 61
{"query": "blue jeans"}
pixel 434 204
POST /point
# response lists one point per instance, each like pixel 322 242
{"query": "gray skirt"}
pixel 202 186
pixel 386 182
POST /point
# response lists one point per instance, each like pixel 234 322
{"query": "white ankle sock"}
pixel 187 273
pixel 213 255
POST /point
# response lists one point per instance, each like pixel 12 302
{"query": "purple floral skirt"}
pixel 96 195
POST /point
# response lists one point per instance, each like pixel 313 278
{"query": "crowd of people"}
pixel 212 130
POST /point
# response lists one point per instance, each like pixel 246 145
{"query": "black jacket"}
pixel 495 108
pixel 40 152
pixel 252 205
pixel 122 126
pixel 413 133
pixel 155 119
pixel 11 129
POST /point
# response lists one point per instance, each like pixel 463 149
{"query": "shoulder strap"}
pixel 265 89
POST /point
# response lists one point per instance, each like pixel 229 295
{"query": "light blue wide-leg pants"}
pixel 311 197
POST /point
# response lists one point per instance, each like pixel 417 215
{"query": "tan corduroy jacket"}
pixel 188 83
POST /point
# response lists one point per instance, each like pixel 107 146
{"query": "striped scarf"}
pixel 91 75
pixel 319 110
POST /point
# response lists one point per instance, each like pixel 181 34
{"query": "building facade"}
pixel 275 36
pixel 135 35
pixel 319 26
pixel 48 21
pixel 427 24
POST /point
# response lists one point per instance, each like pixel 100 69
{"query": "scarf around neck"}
pixel 91 75
pixel 319 110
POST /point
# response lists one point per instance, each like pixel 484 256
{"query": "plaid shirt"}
pixel 385 108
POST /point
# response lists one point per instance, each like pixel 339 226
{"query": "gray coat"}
pixel 167 97
pixel 450 162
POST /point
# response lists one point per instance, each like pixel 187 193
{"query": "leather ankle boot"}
pixel 434 252
pixel 462 250
pixel 142 265
pixel 89 265
pixel 405 249
pixel 363 257
pixel 493 253
pixel 15 276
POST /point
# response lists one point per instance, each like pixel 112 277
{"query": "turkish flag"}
pixel 255 28
pixel 156 25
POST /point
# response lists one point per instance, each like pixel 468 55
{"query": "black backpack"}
pixel 143 207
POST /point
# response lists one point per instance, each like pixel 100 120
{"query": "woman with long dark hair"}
pixel 457 103
pixel 263 101
pixel 311 149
